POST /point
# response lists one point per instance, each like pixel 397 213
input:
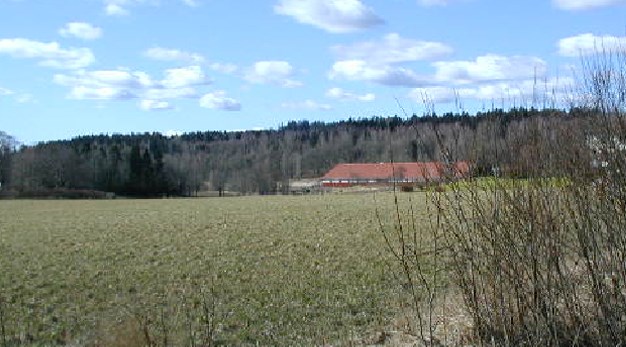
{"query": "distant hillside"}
pixel 151 164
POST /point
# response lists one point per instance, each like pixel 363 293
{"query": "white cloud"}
pixel 574 5
pixel 21 98
pixel 154 105
pixel 272 72
pixel 490 67
pixel 219 101
pixel 436 94
pixel 102 84
pixel 170 93
pixel 584 44
pixel 484 69
pixel 49 54
pixel 306 105
pixel 335 16
pixel 184 77
pixel 378 61
pixel 167 54
pixel 122 78
pixel 392 49
pixel 4 91
pixel 159 53
pixel 122 84
pixel 81 30
pixel 519 91
pixel 338 93
pixel 100 93
pixel 359 70
pixel 225 68
pixel 113 9
pixel 177 82
pixel 118 79
pixel 120 7
pixel 430 3
pixel 440 94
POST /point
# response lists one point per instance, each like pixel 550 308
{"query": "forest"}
pixel 263 161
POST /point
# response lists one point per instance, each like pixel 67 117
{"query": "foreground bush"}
pixel 537 249
pixel 544 264
pixel 539 265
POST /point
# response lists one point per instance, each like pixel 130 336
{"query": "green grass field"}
pixel 266 270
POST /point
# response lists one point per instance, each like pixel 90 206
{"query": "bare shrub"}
pixel 542 261
pixel 416 249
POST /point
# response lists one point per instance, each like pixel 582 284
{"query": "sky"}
pixel 86 67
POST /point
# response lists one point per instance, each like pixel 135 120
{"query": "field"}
pixel 309 270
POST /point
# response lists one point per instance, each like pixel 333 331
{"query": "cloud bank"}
pixel 334 16
pixel 48 54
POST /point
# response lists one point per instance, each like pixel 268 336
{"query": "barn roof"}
pixel 384 171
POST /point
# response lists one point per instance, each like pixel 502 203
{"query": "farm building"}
pixel 405 174
pixel 304 186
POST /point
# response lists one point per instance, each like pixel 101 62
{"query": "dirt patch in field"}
pixel 452 326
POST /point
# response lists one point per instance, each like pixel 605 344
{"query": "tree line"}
pixel 263 161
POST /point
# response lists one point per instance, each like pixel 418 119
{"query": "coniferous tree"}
pixel 7 147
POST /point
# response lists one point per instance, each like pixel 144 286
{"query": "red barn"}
pixel 412 173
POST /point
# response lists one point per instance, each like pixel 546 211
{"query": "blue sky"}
pixel 81 67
